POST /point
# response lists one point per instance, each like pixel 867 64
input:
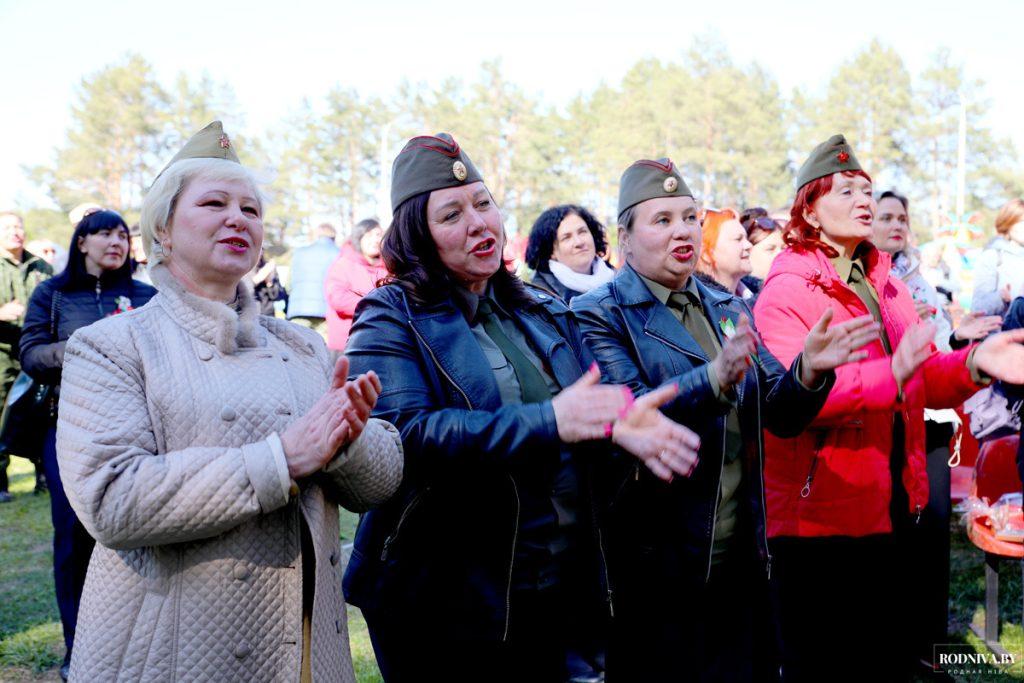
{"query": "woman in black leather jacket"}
pixel 97 282
pixel 463 575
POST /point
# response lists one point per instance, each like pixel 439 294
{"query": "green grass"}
pixel 31 646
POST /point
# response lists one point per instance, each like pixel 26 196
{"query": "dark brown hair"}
pixel 411 257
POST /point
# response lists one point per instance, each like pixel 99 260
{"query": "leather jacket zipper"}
pixel 469 403
pixel 401 520
pixel 515 490
pixel 718 495
pixel 806 490
pixel 99 298
pixel 760 477
pixel 511 562
pixel 607 576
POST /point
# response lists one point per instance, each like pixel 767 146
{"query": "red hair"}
pixel 711 223
pixel 801 234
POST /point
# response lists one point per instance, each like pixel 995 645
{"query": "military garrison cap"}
pixel 209 143
pixel 427 163
pixel 832 156
pixel 647 179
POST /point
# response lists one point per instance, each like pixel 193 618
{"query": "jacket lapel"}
pixel 549 344
pixel 659 322
pixel 446 334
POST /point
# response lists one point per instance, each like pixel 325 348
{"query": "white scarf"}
pixel 599 274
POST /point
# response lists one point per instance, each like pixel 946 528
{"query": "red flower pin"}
pixel 843 157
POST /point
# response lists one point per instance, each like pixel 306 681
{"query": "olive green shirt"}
pixel 732 465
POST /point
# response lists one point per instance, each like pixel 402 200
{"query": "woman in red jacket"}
pixel 353 274
pixel 843 495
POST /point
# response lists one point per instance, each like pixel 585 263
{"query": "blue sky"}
pixel 275 54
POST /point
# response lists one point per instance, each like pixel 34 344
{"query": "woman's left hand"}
pixel 334 421
pixel 665 447
pixel 826 348
pixel 1001 356
pixel 362 395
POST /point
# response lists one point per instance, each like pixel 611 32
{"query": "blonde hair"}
pixel 162 198
pixel 1008 216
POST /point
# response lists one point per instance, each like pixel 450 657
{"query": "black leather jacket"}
pixel 448 537
pixel 547 282
pixel 42 353
pixel 658 530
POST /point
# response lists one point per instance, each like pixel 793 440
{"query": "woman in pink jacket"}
pixel 351 277
pixel 843 496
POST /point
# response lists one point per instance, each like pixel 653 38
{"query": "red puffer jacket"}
pixel 834 479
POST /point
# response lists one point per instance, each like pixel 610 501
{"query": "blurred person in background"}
pixel 725 253
pixel 140 262
pixel 20 272
pixel 999 272
pixel 96 283
pixel 356 271
pixel 306 303
pixel 267 287
pixel 566 251
pixel 80 211
pixel 44 249
pixel 765 235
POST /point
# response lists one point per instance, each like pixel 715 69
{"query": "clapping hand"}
pixel 975 326
pixel 1001 356
pixel 732 363
pixel 665 447
pixel 826 348
pixel 335 420
pixel 914 349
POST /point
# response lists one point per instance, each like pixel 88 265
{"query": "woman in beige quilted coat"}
pixel 207 449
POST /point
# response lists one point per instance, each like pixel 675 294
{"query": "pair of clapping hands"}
pixel 587 410
pixel 335 420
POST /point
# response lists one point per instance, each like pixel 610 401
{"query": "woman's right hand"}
pixel 975 326
pixel 335 420
pixel 914 349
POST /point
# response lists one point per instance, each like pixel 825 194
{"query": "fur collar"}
pixel 211 321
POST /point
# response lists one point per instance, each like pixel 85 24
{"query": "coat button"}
pixel 284 355
pixel 228 414
pixel 242 572
pixel 334 559
pixel 243 650
pixel 205 353
pixel 337 625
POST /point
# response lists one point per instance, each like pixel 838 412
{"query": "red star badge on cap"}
pixel 843 157
pixel 225 142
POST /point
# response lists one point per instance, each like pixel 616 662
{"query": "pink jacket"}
pixel 834 478
pixel 349 279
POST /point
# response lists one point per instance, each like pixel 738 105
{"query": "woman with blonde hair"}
pixel 206 448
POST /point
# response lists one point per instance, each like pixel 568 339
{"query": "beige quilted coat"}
pixel 169 451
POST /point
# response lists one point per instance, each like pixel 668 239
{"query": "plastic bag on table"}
pixel 1007 518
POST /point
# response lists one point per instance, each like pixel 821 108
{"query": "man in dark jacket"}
pixel 20 272
pixel 688 559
